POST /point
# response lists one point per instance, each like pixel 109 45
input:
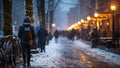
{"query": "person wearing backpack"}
pixel 26 34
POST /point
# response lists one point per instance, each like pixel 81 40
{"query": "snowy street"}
pixel 77 54
pixel 59 34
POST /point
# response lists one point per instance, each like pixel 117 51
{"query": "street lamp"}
pixel 113 8
pixel 88 18
pixel 79 22
pixel 96 16
pixel 53 25
pixel 82 21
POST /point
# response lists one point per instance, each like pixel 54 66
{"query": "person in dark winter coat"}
pixel 49 37
pixel 26 35
pixel 72 35
pixel 42 37
pixel 56 35
pixel 94 37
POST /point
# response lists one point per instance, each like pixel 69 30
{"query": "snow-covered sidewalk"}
pixel 100 54
pixel 53 58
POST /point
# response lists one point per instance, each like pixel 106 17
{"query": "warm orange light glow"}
pixel 79 23
pixel 71 27
pixel 82 20
pixel 113 7
pixel 96 14
pixel 88 18
pixel 76 24
pixel 98 27
pixel 107 23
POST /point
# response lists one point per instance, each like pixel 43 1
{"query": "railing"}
pixel 106 42
pixel 10 51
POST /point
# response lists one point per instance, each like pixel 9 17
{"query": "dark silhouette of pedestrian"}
pixel 72 34
pixel 56 35
pixel 42 37
pixel 49 37
pixel 26 35
pixel 94 37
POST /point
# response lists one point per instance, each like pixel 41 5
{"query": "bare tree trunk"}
pixel 51 9
pixel 50 14
pixel 41 11
pixel 29 9
pixel 7 15
pixel 1 15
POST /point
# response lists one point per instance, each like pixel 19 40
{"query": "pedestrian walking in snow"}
pixel 42 37
pixel 56 35
pixel 94 37
pixel 26 35
pixel 72 35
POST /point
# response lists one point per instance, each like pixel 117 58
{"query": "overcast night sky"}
pixel 60 17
